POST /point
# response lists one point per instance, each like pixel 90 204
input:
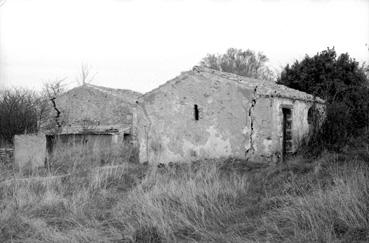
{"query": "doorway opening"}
pixel 287 132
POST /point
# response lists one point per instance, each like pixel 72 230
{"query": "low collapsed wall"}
pixel 29 150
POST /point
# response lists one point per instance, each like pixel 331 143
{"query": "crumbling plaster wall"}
pixel 89 142
pixel 235 120
pixel 300 127
pixel 168 131
pixel 29 150
pixel 260 145
pixel 89 108
pixel 265 128
pixel 266 141
pixel 94 112
pixel 94 106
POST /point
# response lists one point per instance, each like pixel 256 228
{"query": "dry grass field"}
pixel 320 200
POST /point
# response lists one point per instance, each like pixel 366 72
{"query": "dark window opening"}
pixel 126 137
pixel 196 112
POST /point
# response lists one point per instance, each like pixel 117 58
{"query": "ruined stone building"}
pixel 205 113
pixel 202 113
pixel 94 116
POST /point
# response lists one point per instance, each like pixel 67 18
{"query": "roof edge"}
pixel 299 95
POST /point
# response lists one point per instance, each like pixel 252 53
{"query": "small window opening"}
pixel 313 115
pixel 126 137
pixel 196 112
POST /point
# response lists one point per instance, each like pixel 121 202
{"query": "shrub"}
pixel 18 113
pixel 342 83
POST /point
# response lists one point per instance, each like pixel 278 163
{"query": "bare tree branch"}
pixel 54 88
pixel 85 76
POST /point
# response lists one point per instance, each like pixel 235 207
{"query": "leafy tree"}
pixel 324 75
pixel 245 63
pixel 342 82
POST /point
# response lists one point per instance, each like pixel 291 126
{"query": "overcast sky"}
pixel 138 44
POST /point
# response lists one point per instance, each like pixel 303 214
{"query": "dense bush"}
pixel 342 83
pixel 18 113
pixel 23 110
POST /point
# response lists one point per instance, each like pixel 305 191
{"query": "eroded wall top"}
pixel 90 107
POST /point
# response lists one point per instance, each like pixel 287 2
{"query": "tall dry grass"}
pixel 68 159
pixel 213 201
pixel 69 200
pixel 190 205
pixel 325 213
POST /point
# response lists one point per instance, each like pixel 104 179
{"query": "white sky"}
pixel 138 44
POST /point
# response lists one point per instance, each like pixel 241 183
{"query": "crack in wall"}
pixel 252 118
pixel 147 129
pixel 57 112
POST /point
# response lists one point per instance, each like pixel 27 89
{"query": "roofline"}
pixel 108 88
pixel 240 80
pixel 316 100
pixel 164 84
pixel 104 90
pixel 81 131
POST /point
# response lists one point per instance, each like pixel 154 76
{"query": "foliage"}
pixel 245 63
pixel 342 83
pixel 23 111
pixel 18 113
pixel 325 75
